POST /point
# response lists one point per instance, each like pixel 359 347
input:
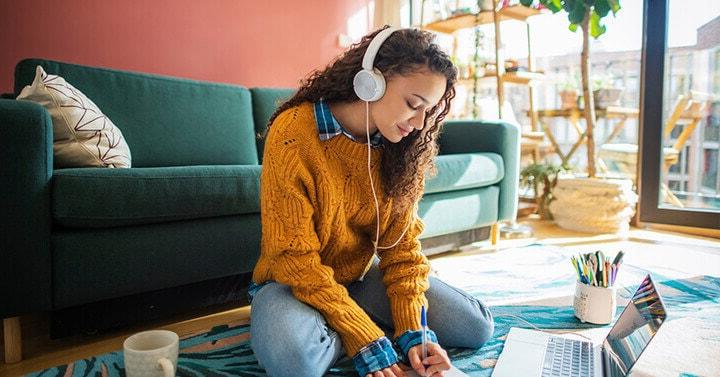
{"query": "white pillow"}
pixel 83 135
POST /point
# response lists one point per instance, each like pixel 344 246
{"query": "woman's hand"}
pixel 437 361
pixel 393 371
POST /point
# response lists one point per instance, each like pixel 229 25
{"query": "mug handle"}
pixel 167 367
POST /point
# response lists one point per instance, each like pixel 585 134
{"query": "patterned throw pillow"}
pixel 83 135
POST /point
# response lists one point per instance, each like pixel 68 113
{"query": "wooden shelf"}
pixel 533 135
pixel 501 77
pixel 519 77
pixel 522 77
pixel 463 21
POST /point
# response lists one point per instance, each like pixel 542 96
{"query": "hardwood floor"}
pixel 40 352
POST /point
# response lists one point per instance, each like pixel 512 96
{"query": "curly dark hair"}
pixel 405 163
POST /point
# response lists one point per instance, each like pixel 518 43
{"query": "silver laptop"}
pixel 537 353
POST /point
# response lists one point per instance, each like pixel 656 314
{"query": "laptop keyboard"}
pixel 567 357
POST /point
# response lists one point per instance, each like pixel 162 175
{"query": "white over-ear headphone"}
pixel 369 83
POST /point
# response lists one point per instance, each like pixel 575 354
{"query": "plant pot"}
pixel 605 98
pixel 486 5
pixel 568 99
pixel 594 205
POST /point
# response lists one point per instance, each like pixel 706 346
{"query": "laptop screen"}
pixel 636 326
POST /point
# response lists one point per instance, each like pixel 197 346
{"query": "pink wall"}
pixel 251 43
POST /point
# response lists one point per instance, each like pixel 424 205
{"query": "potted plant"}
pixel 542 177
pixel 569 94
pixel 589 204
pixel 604 93
pixel 486 5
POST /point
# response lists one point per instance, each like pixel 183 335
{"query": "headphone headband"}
pixel 372 50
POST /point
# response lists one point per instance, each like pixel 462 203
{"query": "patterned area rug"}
pixel 533 284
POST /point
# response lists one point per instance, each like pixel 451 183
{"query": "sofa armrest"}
pixel 499 137
pixel 26 163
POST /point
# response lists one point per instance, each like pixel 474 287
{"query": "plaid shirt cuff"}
pixel 375 356
pixel 411 338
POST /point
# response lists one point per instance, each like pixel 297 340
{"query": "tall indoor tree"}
pixel 588 15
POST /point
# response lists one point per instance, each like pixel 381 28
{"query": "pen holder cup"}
pixel 594 304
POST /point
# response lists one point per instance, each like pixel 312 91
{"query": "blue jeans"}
pixel 290 338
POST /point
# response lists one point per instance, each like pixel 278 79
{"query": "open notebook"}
pixel 453 372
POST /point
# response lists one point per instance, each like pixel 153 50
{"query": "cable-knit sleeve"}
pixel 291 244
pixel 405 271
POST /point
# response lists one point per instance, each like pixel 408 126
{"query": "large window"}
pixel 680 142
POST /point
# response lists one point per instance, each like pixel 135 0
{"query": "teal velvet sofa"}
pixel 188 210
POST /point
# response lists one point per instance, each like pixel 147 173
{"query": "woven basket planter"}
pixel 594 205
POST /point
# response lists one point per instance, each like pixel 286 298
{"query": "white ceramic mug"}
pixel 151 353
pixel 594 304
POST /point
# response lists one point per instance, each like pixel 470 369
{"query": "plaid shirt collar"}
pixel 328 126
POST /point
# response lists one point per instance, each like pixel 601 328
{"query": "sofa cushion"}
pixel 464 171
pixel 455 211
pixel 166 121
pixel 82 135
pixel 95 197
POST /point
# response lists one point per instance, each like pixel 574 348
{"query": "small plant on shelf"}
pixel 569 93
pixel 605 93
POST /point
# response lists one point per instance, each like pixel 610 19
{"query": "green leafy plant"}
pixel 542 177
pixel 571 81
pixel 602 82
pixel 568 86
pixel 588 15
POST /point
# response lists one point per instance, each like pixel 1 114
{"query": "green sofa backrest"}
pixel 166 121
pixel 265 102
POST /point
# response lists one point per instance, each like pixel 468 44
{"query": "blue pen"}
pixel 423 323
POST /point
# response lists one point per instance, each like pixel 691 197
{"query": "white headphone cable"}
pixel 560 332
pixel 372 187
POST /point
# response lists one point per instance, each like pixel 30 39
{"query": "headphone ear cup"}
pixel 369 85
pixel 380 82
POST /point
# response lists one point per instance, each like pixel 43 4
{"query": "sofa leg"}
pixel 494 233
pixel 13 340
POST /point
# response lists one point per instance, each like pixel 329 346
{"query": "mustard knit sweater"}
pixel 318 225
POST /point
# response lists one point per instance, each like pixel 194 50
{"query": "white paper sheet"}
pixel 453 372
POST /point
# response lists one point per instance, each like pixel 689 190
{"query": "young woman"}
pixel 341 268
